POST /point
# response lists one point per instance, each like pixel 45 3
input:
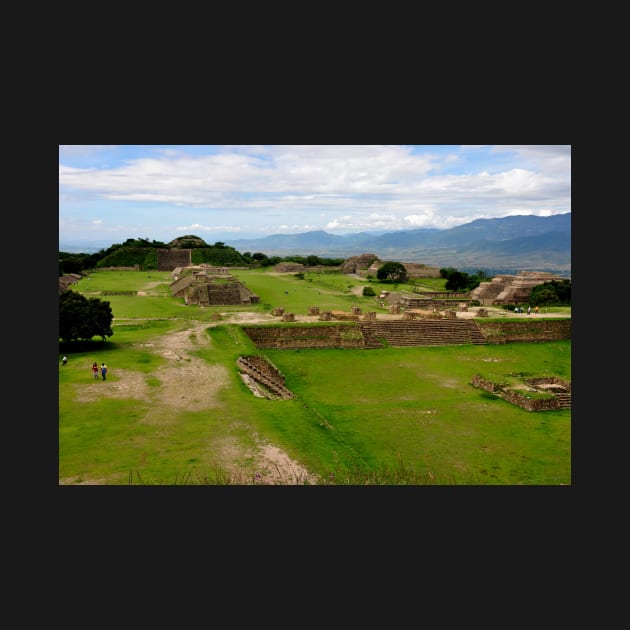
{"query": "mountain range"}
pixel 505 245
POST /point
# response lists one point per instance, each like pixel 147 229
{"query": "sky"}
pixel 110 193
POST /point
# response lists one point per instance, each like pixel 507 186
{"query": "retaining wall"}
pixel 526 331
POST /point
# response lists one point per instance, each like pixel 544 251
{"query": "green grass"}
pixel 390 416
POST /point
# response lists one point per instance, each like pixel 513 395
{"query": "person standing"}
pixel 104 371
pixel 95 370
pixel 64 360
pixel 529 310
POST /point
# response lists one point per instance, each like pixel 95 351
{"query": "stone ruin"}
pixel 199 289
pixel 507 289
pixel 289 267
pixel 359 264
pixel 170 259
pixel 263 378
pixel 559 391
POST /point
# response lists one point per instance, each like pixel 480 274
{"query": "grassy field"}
pixel 392 416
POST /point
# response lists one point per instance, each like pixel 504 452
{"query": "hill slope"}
pixel 515 243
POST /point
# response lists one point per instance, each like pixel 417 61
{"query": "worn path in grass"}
pixel 188 383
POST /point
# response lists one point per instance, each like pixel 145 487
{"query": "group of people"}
pixel 518 309
pixel 95 370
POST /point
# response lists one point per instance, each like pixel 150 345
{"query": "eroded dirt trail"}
pixel 188 383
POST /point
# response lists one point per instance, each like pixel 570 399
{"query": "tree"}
pixel 392 272
pixel 457 280
pixel 81 318
pixel 553 292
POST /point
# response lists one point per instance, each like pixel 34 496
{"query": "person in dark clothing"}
pixel 104 371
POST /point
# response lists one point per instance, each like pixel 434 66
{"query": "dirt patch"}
pixel 188 383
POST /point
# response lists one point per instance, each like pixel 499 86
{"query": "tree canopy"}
pixel 553 292
pixel 392 272
pixel 82 318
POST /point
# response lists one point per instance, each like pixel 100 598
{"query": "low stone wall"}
pixel 526 331
pixel 291 337
pixel 552 402
pixel 419 332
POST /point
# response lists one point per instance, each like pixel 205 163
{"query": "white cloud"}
pixel 293 187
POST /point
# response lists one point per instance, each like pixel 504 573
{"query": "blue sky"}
pixel 109 193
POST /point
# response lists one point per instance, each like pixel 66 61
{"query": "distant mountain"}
pixel 514 243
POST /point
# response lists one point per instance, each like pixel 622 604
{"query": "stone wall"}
pixel 373 333
pixel 526 331
pixel 208 292
pixel 170 259
pixel 553 402
pixel 291 337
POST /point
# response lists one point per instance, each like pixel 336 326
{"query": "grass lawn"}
pixel 391 416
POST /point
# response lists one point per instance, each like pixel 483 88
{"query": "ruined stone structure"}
pixel 323 336
pixel 421 332
pixel 373 333
pixel 170 259
pixel 204 291
pixel 212 294
pixel 558 390
pixel 534 330
pixel 268 381
pixel 417 270
pixel 506 289
pixel 358 264
pixel 66 280
pixel 289 267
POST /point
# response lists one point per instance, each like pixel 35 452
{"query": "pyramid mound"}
pixel 187 241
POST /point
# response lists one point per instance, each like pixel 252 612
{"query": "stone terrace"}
pixel 423 332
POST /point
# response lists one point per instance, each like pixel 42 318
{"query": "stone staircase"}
pixel 270 384
pixel 564 400
pixel 421 332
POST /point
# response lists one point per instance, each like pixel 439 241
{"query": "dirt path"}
pixel 190 384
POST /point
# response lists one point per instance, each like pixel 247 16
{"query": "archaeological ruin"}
pixel 532 394
pixel 169 259
pixel 508 289
pixel 206 285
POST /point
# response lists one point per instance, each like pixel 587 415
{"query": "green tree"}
pixel 81 318
pixel 554 292
pixel 392 272
pixel 457 280
pixel 368 291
